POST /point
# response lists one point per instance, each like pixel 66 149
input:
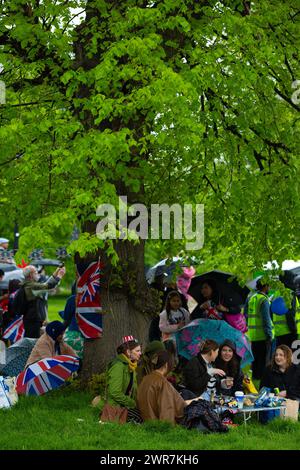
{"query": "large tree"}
pixel 174 101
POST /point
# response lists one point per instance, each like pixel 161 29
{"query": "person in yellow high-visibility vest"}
pixel 285 325
pixel 260 328
pixel 297 304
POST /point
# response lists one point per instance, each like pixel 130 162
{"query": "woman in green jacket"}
pixel 121 378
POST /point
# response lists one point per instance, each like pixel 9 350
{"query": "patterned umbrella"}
pixel 45 375
pixel 188 339
pixel 15 330
pixel 17 356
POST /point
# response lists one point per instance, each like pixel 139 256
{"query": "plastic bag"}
pixel 292 409
pixel 262 397
pixel 8 394
pixel 2 353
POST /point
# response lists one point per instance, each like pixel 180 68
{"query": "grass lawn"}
pixel 55 304
pixel 64 420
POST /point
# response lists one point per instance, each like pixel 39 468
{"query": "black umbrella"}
pixel 46 262
pixel 230 292
pixel 288 277
pixel 15 273
pixel 7 267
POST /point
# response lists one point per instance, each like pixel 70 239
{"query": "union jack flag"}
pixel 88 301
pixel 47 374
pixel 15 330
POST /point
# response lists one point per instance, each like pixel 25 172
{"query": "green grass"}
pixel 63 419
pixel 55 304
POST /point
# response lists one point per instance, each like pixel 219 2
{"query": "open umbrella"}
pixel 162 268
pixel 46 262
pixel 17 356
pixel 15 330
pixel 7 267
pixel 188 339
pixel 288 276
pixel 231 293
pixel 45 375
pixel 10 274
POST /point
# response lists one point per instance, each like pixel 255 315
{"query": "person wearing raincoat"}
pixel 121 382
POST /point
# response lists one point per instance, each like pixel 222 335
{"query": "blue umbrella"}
pixel 188 339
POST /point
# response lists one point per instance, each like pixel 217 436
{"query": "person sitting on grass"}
pixel 230 363
pixel 157 399
pixel 283 374
pixel 121 379
pixel 146 365
pixel 200 377
pixel 50 344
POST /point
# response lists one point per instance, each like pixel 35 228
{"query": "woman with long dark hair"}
pixel 230 363
pixel 210 304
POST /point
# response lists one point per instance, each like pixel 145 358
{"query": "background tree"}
pixel 171 101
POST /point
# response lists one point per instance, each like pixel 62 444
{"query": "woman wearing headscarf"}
pixel 50 344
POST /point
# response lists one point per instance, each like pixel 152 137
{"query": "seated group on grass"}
pixel 140 383
pixel 144 388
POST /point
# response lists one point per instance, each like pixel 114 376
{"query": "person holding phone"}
pixel 29 295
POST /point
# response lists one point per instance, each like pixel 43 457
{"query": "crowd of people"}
pixel 142 382
pixel 139 381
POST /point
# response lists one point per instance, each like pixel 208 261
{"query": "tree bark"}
pixel 127 303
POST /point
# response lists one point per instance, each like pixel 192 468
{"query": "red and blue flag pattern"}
pixel 88 300
pixel 46 374
pixel 15 330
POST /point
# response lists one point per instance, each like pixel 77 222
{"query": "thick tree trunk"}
pixel 120 319
pixel 127 303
